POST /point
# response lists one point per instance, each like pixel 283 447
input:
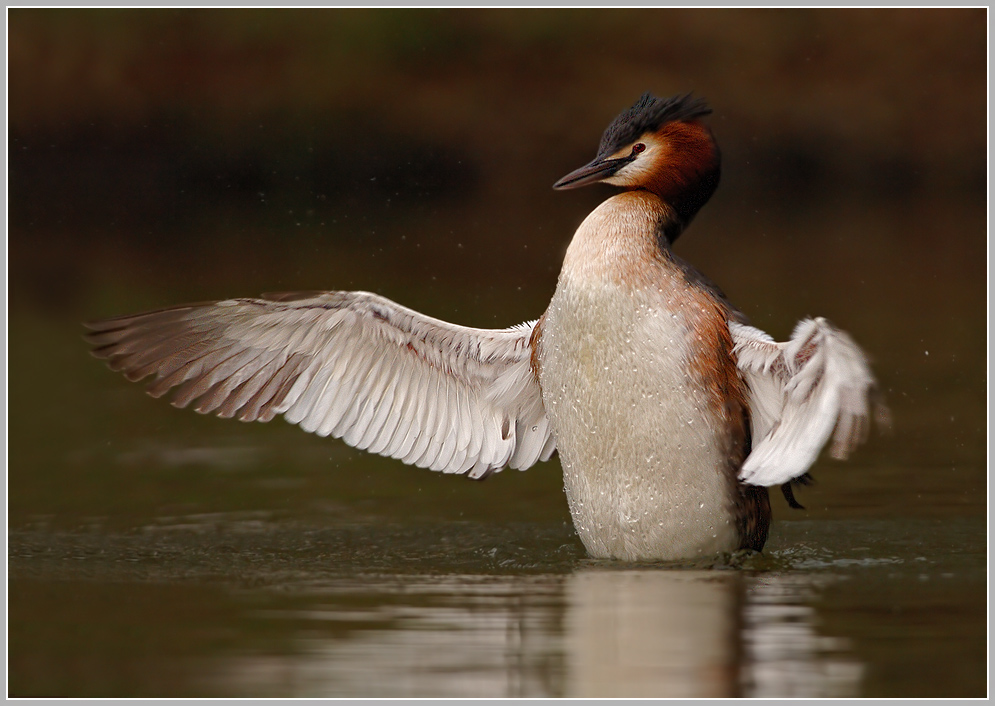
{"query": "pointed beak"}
pixel 591 173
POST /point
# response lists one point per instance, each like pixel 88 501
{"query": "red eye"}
pixel 638 147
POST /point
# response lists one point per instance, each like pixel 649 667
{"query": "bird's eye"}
pixel 637 148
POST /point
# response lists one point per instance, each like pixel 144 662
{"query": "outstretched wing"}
pixel 347 364
pixel 800 391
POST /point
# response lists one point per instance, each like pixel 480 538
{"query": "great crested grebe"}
pixel 670 413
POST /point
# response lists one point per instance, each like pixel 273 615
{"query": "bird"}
pixel 671 414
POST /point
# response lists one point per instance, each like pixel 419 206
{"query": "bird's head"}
pixel 659 145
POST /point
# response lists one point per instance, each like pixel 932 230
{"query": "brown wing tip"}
pixel 100 353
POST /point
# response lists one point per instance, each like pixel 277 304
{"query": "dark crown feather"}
pixel 647 115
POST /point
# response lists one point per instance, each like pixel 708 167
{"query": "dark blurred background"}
pixel 162 156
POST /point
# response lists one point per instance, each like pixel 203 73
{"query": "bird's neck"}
pixel 686 173
pixel 622 240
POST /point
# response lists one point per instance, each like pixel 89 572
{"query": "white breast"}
pixel 642 458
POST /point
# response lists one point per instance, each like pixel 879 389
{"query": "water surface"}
pixel 248 606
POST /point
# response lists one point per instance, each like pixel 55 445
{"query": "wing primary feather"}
pixel 224 377
pixel 430 412
pixel 255 379
pixel 189 370
pixel 304 410
pixel 443 439
pixel 409 421
pixel 389 407
pixel 262 405
pixel 357 396
pixel 380 396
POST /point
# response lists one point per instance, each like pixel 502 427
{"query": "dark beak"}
pixel 591 173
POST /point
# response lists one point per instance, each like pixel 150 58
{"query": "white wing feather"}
pixel 348 364
pixel 799 392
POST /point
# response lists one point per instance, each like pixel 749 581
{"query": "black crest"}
pixel 647 115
